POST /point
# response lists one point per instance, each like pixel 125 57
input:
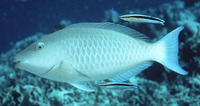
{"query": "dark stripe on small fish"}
pixel 117 85
pixel 145 17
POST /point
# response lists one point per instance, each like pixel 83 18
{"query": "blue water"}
pixel 19 20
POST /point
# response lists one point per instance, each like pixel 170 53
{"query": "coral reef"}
pixel 156 87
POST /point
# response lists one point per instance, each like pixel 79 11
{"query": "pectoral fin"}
pixel 66 65
pixel 82 87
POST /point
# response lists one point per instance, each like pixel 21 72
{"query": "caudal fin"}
pixel 169 47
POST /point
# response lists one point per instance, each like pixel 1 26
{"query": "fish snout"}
pixel 16 60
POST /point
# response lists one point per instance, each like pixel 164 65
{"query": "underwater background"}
pixel 24 21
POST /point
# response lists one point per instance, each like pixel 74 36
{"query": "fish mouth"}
pixel 24 64
pixel 16 61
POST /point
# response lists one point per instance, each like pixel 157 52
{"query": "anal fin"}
pixel 130 73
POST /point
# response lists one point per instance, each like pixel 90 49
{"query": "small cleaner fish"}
pixel 97 51
pixel 118 85
pixel 142 19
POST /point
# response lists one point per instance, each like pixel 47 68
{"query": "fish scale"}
pixel 110 55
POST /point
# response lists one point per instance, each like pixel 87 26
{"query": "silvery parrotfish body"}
pixel 97 51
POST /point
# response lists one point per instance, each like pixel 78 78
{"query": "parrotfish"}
pixel 142 19
pixel 86 52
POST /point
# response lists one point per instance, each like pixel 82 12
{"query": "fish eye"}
pixel 40 46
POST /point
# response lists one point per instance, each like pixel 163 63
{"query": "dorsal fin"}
pixel 113 27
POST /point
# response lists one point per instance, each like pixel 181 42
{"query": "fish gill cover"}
pixel 25 21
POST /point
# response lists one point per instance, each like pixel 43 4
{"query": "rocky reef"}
pixel 156 86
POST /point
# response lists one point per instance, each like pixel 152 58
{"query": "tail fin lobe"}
pixel 170 50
